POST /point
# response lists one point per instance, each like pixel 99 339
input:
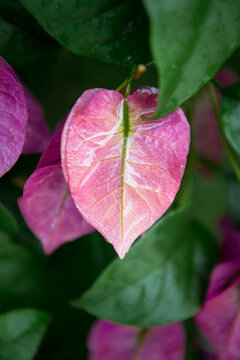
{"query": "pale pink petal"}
pixel 230 249
pixel 13 117
pixel 109 341
pixel 219 319
pixel 80 105
pixel 49 209
pixel 38 134
pixel 123 185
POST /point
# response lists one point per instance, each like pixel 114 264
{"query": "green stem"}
pixel 134 74
pixel 225 143
pixel 121 86
pixel 128 87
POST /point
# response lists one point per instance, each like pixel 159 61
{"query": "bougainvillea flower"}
pixel 219 319
pixel 230 249
pixel 123 172
pixel 13 117
pixel 47 205
pixel 109 341
pixel 81 104
pixel 208 142
pixel 38 134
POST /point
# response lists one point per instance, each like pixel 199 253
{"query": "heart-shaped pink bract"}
pixel 47 205
pixel 13 117
pixel 109 341
pixel 123 172
pixel 38 134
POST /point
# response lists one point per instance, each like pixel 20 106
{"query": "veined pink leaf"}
pixel 13 115
pixel 47 205
pixel 124 172
pixel 219 319
pixel 38 134
pixel 109 341
pixel 81 103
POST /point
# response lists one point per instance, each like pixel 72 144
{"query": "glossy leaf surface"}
pixel 161 280
pixel 21 332
pixel 190 41
pixel 38 134
pixel 105 30
pixel 13 113
pixel 47 205
pixel 124 172
pixel 109 341
pixel 219 320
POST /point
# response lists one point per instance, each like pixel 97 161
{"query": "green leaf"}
pixel 231 121
pixel 190 40
pixel 21 332
pixel 21 278
pixel 8 225
pixel 160 281
pixel 115 31
pixel 18 45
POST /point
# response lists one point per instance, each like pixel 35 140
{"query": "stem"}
pixel 225 143
pixel 134 74
pixel 121 86
pixel 128 87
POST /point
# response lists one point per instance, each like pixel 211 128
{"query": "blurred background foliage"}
pixel 29 278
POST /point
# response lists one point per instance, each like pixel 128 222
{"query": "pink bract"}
pixel 38 134
pixel 51 155
pixel 81 103
pixel 219 319
pixel 109 341
pixel 123 180
pixel 13 115
pixel 47 205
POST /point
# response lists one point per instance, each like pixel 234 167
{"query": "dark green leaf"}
pixel 18 46
pixel 8 225
pixel 160 281
pixel 114 31
pixel 190 41
pixel 21 279
pixel 21 332
pixel 231 121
